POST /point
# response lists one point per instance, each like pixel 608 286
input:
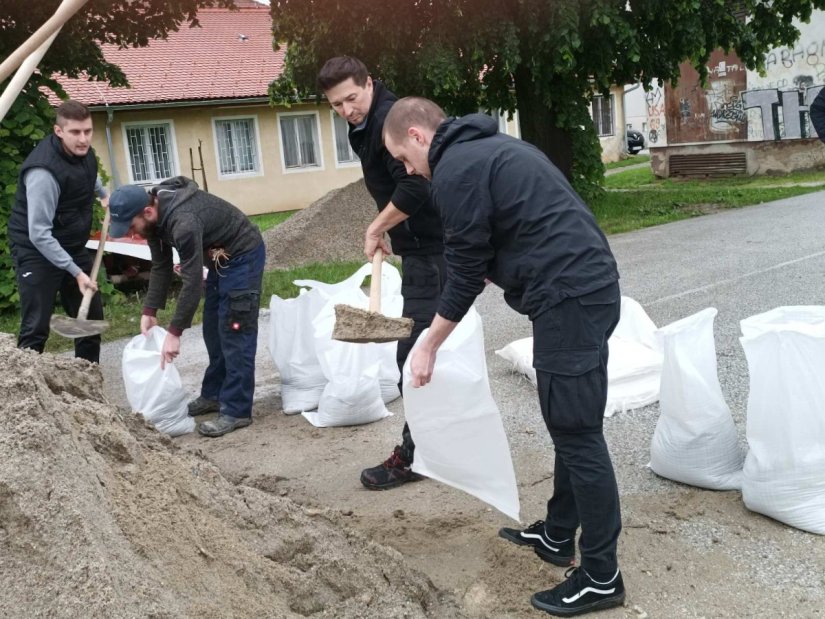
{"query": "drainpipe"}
pixel 110 115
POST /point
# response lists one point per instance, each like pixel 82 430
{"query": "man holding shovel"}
pixel 509 215
pixel 406 213
pixel 49 227
pixel 206 231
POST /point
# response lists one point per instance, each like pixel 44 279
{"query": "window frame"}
pixel 612 99
pixel 320 146
pixel 259 164
pixel 173 148
pixel 334 116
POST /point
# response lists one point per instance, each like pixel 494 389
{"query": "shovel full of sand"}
pixel 353 324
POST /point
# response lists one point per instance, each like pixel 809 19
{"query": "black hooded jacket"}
pixel 817 112
pixel 511 216
pixel 387 181
pixel 193 222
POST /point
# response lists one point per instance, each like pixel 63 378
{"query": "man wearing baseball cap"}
pixel 206 231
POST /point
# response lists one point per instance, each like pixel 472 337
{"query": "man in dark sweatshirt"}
pixel 206 231
pixel 509 215
pixel 817 112
pixel 405 212
pixel 49 226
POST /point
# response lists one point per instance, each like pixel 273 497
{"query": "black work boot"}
pixel 223 424
pixel 558 552
pixel 393 472
pixel 580 594
pixel 203 406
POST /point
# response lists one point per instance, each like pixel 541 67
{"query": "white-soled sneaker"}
pixel 557 552
pixel 580 594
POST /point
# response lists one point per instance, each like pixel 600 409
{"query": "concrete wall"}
pixel 271 189
pixel 762 157
pixel 797 68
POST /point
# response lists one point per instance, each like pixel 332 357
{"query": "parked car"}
pixel 635 141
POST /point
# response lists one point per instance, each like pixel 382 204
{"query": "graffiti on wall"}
pixel 807 57
pixel 783 113
pixel 655 108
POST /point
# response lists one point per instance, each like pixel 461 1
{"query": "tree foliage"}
pixel 75 52
pixel 545 58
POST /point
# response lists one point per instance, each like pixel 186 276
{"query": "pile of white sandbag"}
pixel 634 366
pixel 334 383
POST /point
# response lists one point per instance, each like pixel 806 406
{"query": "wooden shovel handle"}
pixel 87 296
pixel 375 281
pixel 66 9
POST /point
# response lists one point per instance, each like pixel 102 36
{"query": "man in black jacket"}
pixel 49 226
pixel 405 212
pixel 509 215
pixel 206 231
pixel 817 112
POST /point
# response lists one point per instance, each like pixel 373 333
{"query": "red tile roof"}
pixel 230 56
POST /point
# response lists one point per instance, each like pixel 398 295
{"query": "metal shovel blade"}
pixel 74 328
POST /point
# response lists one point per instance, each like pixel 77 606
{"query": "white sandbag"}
pixel 520 354
pixel 634 366
pixel 156 394
pixel 353 393
pixel 292 347
pixel 456 425
pixel 784 473
pixel 349 292
pixel 349 400
pixel 695 441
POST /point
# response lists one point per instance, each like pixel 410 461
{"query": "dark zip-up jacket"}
pixel 511 216
pixel 76 177
pixel 193 222
pixel 387 181
pixel 817 112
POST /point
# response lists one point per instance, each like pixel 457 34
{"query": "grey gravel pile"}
pixel 328 230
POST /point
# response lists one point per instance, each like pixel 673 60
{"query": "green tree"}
pixel 75 52
pixel 542 57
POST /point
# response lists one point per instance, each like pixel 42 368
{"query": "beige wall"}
pixel 613 146
pixel 271 189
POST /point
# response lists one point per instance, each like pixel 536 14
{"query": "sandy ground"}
pixel 684 552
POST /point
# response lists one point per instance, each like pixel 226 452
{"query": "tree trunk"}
pixel 538 124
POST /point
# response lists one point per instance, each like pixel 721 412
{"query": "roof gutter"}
pixel 188 103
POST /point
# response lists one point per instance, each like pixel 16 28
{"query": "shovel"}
pixel 80 327
pixel 353 324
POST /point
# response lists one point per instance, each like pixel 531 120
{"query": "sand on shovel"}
pixel 353 324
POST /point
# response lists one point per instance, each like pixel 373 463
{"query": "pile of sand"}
pixel 330 229
pixel 102 516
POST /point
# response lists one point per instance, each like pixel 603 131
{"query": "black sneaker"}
pixel 557 552
pixel 393 472
pixel 580 594
pixel 203 406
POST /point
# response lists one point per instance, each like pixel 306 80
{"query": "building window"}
pixel 237 145
pixel 602 111
pixel 150 152
pixel 299 141
pixel 343 151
